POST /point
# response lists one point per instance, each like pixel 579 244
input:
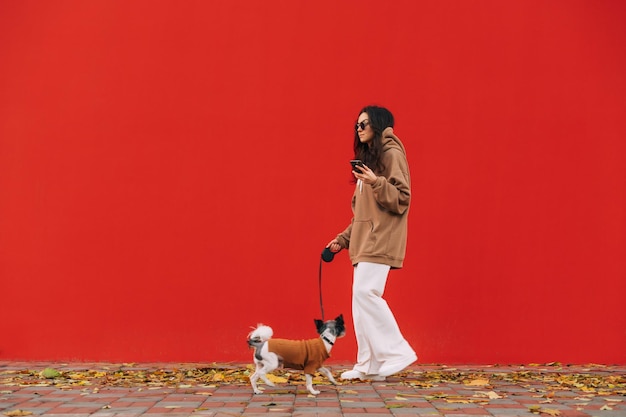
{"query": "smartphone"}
pixel 355 164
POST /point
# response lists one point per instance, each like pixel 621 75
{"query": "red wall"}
pixel 170 171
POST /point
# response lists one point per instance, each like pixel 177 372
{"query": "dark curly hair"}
pixel 371 153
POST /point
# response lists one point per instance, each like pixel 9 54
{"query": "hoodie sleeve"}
pixel 393 191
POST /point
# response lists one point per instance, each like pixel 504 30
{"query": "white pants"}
pixel 377 333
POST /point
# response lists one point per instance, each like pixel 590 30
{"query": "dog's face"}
pixel 336 327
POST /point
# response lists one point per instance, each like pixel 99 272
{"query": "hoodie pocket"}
pixel 363 238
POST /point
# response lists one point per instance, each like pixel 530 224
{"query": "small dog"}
pixel 308 355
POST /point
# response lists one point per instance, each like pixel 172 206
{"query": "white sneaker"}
pixel 353 374
pixel 391 368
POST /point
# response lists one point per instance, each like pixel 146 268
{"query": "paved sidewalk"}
pixel 153 390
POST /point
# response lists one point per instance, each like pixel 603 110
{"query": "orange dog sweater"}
pixel 308 355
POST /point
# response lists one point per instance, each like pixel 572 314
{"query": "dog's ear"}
pixel 319 324
pixel 339 320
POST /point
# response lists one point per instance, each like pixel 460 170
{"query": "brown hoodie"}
pixel 378 230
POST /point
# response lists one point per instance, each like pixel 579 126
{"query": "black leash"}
pixel 320 286
pixel 327 256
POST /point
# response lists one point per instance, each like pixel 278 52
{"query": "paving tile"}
pixel 425 390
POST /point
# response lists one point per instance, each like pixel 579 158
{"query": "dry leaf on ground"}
pixel 17 413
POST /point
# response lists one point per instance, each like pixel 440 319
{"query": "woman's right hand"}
pixel 334 245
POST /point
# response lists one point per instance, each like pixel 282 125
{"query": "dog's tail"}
pixel 260 335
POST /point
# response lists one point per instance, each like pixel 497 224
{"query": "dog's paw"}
pixel 258 391
pixel 314 392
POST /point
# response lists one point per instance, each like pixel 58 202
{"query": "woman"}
pixel 376 239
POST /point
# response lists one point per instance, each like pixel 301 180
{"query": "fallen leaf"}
pixel 538 409
pixel 276 379
pixel 398 398
pixel 492 395
pixel 16 413
pixel 479 382
pixel 50 373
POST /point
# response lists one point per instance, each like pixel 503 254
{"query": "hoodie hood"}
pixel 390 140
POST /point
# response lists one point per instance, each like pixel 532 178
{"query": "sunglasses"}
pixel 361 125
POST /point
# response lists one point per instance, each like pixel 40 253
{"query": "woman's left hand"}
pixel 367 175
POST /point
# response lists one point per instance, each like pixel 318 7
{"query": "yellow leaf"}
pixel 349 391
pixel 276 379
pixel 400 398
pixel 16 413
pixel 550 411
pixel 478 382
